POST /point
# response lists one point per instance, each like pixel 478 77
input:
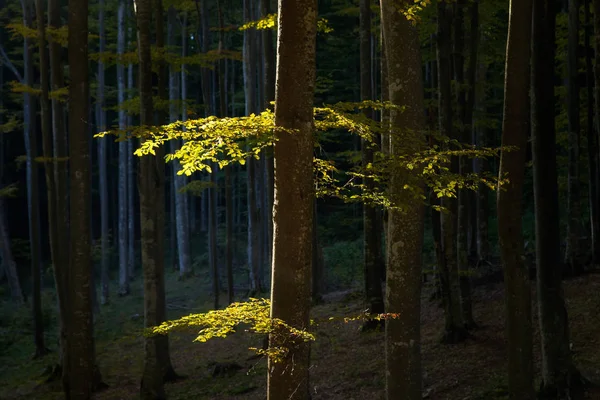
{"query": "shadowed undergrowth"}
pixel 346 363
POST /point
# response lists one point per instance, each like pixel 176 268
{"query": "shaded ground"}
pixel 346 365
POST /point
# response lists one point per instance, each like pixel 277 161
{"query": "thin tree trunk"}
pixel 179 207
pixel 465 115
pixel 8 261
pixel 33 202
pixel 102 169
pixel 250 87
pixel 482 165
pixel 123 226
pixel 454 330
pixel 515 129
pixel 228 190
pixel 372 232
pixel 131 178
pixel 574 229
pixel 60 268
pixel 592 140
pixel 405 226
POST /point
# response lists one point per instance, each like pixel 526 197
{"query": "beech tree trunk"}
pixel 405 227
pixel 33 202
pixel 454 330
pixel 102 169
pixel 515 132
pixel 82 374
pixel 574 228
pixel 559 377
pixel 294 195
pixel 372 231
pixel 123 194
pixel 8 262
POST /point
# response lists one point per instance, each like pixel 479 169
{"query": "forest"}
pixel 299 199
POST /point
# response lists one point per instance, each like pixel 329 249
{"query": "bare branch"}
pixel 6 61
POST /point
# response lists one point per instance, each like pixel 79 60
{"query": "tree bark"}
pixel 33 202
pixel 102 169
pixel 592 140
pixel 464 111
pixel 180 205
pixel 250 90
pixel 405 226
pixel 82 373
pixel 515 129
pixel 574 228
pixel 454 330
pixel 8 262
pixel 372 232
pixel 559 377
pixel 294 194
pixel 123 194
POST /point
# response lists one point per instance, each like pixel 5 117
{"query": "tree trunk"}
pixel 82 373
pixel 8 261
pixel 180 205
pixel 123 226
pixel 151 188
pixel 482 165
pixel 32 172
pixel 515 130
pixel 454 330
pixel 228 190
pixel 405 227
pixel 372 232
pixel 592 140
pixel 102 172
pixel 250 88
pixel 131 178
pixel 60 264
pixel 574 229
pixel 559 377
pixel 465 166
pixel 294 195
pixel 596 21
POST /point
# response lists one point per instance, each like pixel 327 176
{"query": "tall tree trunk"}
pixel 482 165
pixel 515 129
pixel 250 87
pixel 574 229
pixel 33 202
pixel 269 92
pixel 372 232
pixel 294 194
pixel 228 190
pixel 465 114
pixel 559 377
pixel 102 172
pixel 180 205
pixel 592 140
pixel 59 134
pixel 151 190
pixel 405 226
pixel 82 373
pixel 454 330
pixel 131 179
pixel 596 23
pixel 60 268
pixel 123 226
pixel 163 353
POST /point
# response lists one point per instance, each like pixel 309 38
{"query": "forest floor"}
pixel 346 364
